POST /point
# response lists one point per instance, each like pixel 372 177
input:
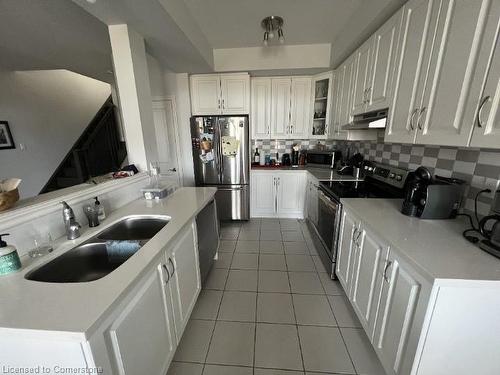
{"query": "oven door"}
pixel 329 212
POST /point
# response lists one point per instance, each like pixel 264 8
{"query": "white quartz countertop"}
pixel 322 174
pixel 76 309
pixel 434 247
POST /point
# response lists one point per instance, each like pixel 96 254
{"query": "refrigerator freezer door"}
pixel 205 139
pixel 234 150
pixel 233 202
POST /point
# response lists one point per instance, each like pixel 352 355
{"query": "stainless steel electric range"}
pixel 381 181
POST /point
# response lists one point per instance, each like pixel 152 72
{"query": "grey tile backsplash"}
pixel 479 167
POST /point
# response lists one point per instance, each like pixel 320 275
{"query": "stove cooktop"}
pixel 381 181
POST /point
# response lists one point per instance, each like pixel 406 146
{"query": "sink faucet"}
pixel 72 226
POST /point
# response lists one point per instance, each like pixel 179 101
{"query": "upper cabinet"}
pixel 280 107
pixel 300 107
pixel 215 94
pixel 440 71
pixel 361 78
pixel 260 116
pixel 323 86
pixel 487 105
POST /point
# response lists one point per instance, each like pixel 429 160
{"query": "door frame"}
pixel 171 98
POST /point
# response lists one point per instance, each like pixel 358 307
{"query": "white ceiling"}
pixel 236 23
pixel 53 34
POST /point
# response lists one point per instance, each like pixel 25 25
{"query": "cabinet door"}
pixel 346 247
pixel 291 194
pixel 263 194
pixel 487 106
pixel 323 96
pixel 442 118
pixel 300 111
pixel 383 62
pixel 412 60
pixel 235 94
pixel 182 264
pixel 280 107
pixel 142 337
pixel 205 95
pixel 261 108
pixel 398 306
pixel 312 202
pixel 361 77
pixel 367 278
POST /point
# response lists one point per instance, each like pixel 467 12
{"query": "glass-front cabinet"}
pixel 322 89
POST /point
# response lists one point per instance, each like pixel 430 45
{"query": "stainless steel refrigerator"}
pixel 221 159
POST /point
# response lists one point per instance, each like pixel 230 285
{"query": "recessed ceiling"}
pixel 236 23
pixel 53 34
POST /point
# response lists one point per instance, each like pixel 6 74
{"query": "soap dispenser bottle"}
pixel 9 259
pixel 101 214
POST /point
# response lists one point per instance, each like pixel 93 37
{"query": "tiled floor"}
pixel 269 308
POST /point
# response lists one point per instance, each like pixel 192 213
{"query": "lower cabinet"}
pixel 278 193
pixel 387 295
pixel 142 334
pixel 312 200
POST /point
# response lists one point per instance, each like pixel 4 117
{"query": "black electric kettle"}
pixel 493 234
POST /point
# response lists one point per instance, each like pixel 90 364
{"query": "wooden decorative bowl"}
pixel 8 199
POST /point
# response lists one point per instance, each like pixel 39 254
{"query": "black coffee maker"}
pixel 432 198
pixel 416 190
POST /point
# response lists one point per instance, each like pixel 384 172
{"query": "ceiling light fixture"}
pixel 270 25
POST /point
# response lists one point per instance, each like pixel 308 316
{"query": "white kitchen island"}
pixel 128 322
pixel 428 299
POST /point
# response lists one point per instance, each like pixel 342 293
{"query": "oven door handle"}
pixel 328 201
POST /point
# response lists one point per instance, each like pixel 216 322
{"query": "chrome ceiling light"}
pixel 271 25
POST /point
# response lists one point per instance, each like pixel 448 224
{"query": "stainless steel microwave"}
pixel 323 159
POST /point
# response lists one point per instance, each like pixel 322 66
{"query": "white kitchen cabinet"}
pixel 261 108
pixel 312 200
pixel 291 194
pixel 300 108
pixel 361 77
pixel 215 94
pixel 142 336
pixel 487 105
pixel 403 290
pixel 370 257
pixel 184 277
pixel 205 94
pixel 419 18
pixel 278 193
pixel 385 43
pixel 263 194
pixel 442 117
pixel 344 97
pixel 280 107
pixel 349 228
pixel 323 96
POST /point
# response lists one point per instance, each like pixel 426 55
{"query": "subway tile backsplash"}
pixel 479 167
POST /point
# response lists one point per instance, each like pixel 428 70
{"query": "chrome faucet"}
pixel 72 226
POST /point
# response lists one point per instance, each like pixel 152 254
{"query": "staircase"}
pixel 97 151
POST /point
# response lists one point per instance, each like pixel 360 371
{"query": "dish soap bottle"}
pixel 9 259
pixel 101 214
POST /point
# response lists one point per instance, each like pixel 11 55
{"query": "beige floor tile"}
pixel 294 236
pixel 305 283
pixel 270 235
pixel 227 246
pixel 238 306
pixel 224 260
pixel 313 310
pixel 275 308
pixel 232 344
pixel 242 280
pixel 227 370
pixel 332 287
pixel 296 248
pixel 273 281
pixel 243 261
pixel 300 263
pixel 272 262
pixel 184 368
pixel 195 341
pixel 247 247
pixel 271 247
pixel 362 354
pixel 277 346
pixel 252 235
pixel 207 305
pixel 216 279
pixel 344 314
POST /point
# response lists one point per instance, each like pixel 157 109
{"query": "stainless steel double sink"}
pixel 90 261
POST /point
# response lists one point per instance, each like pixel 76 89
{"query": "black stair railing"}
pixel 99 150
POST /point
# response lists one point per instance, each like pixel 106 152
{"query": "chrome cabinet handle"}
pixel 168 273
pixel 223 105
pixel 480 110
pixel 422 111
pixel 218 103
pixel 173 266
pixel 291 129
pixel 411 118
pixel 387 265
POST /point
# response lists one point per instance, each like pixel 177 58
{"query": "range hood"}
pixel 369 120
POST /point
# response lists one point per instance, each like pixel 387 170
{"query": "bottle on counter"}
pixel 9 259
pixel 256 156
pixel 101 214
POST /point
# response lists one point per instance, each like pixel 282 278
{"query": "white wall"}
pixel 47 111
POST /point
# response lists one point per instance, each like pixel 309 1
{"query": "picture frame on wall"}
pixel 6 140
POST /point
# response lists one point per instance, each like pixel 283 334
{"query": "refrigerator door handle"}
pixel 221 168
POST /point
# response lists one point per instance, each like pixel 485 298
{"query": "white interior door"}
pixel 167 138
